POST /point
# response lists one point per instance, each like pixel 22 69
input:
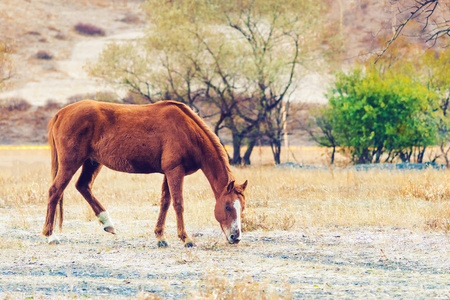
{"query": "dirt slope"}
pixel 48 27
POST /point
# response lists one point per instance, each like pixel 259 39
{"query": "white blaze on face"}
pixel 236 224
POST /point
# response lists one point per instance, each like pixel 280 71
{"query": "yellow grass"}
pixel 336 222
pixel 277 198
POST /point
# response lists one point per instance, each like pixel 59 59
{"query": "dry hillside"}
pixel 49 53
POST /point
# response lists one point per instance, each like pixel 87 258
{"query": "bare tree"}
pixel 239 57
pixel 321 130
pixel 433 15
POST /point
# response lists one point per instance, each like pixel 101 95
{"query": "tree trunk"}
pixel 421 154
pixel 403 157
pixel 276 150
pixel 378 154
pixel 406 155
pixel 250 145
pixel 237 141
pixel 445 155
pixel 332 155
pixel 365 157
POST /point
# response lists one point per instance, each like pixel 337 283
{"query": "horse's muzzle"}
pixel 234 239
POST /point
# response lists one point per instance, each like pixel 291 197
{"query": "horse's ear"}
pixel 244 185
pixel 230 187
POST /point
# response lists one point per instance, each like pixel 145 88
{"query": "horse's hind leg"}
pixel 90 170
pixel 55 194
pixel 165 204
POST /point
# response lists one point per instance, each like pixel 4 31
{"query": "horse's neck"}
pixel 217 175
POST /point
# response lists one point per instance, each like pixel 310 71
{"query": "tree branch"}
pixel 422 7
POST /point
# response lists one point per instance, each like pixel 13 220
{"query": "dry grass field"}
pixel 308 234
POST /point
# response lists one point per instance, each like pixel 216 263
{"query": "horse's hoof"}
pixel 53 240
pixel 189 245
pixel 162 244
pixel 110 229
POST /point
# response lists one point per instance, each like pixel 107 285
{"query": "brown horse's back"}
pixel 128 138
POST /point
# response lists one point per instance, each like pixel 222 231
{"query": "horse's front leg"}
pixel 175 179
pixel 165 203
pixel 89 172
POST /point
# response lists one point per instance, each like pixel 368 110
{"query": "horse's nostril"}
pixel 232 237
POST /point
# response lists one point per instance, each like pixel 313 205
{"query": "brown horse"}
pixel 165 137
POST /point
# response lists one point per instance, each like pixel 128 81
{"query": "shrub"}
pixel 14 104
pixel 133 98
pixel 75 98
pixel 98 96
pixel 32 32
pixel 130 18
pixel 52 105
pixel 106 97
pixel 372 115
pixel 60 36
pixel 89 29
pixel 42 54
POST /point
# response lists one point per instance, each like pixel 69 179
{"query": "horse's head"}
pixel 228 211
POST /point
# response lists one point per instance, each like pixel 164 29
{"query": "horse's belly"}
pixel 127 153
pixel 133 166
pixel 143 165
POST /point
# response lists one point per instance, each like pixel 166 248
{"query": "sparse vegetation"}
pixel 14 104
pixel 219 287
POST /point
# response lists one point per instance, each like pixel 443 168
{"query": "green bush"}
pixel 373 114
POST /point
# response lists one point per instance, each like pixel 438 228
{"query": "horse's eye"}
pixel 227 208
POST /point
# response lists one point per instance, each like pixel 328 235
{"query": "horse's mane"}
pixel 215 141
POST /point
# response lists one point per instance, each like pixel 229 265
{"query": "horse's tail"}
pixel 54 157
